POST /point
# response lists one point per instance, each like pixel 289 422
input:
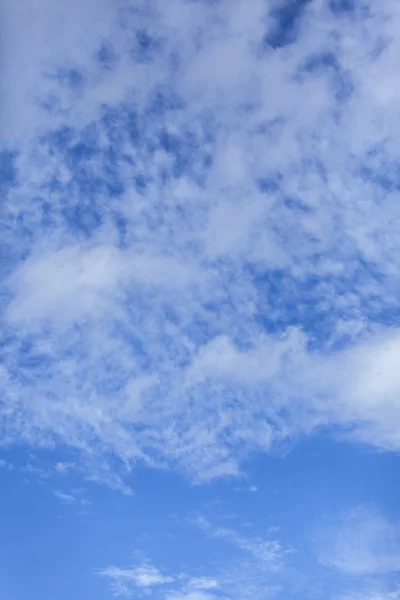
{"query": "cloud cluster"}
pixel 250 572
pixel 199 229
pixel 123 581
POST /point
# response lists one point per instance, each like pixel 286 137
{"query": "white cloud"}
pixel 190 595
pixel 358 388
pixel 63 467
pixel 362 542
pixel 64 498
pixel 269 553
pixel 194 316
pixel 38 37
pixel 254 568
pixel 201 251
pixel 124 581
pixel 220 359
pixel 198 588
pixel 241 580
pixel 370 595
pixel 203 583
pixel 75 283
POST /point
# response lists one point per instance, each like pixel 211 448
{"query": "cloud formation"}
pixel 362 542
pixel 199 231
pixel 144 576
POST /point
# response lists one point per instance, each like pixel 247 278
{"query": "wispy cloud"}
pixel 63 497
pixel 255 568
pixel 368 595
pixel 124 581
pixel 228 584
pixel 362 542
pixel 270 553
pixel 63 467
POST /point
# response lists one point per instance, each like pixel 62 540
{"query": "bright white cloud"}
pixel 76 283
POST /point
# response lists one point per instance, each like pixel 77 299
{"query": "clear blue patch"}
pixel 206 2
pixel 71 78
pixel 141 182
pixel 319 61
pixel 188 157
pixel 161 101
pixel 110 170
pixel 174 62
pixel 133 128
pixel 339 7
pixel 342 85
pixel 82 218
pixel 112 122
pixel 146 47
pixel 296 205
pixel 268 185
pixel 59 139
pixel 107 56
pixel 380 170
pixel 287 19
pixel 8 169
pixel 311 303
pixel 94 173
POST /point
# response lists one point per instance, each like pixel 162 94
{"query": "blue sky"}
pixel 199 270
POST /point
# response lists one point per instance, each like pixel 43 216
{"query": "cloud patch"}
pixel 363 542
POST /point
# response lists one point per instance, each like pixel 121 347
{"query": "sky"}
pixel 199 300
